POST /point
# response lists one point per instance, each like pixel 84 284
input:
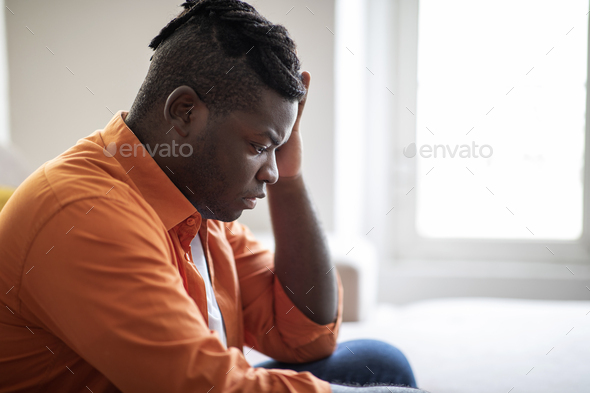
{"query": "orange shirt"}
pixel 98 292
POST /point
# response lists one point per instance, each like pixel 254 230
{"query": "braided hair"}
pixel 227 52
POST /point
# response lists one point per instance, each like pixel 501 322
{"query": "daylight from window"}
pixel 500 119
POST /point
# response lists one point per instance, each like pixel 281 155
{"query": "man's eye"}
pixel 259 149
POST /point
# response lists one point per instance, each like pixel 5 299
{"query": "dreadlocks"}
pixel 225 51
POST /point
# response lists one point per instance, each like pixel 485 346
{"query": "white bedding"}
pixel 484 345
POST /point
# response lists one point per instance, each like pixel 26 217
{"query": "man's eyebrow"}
pixel 270 136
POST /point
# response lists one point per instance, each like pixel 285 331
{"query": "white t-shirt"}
pixel 215 318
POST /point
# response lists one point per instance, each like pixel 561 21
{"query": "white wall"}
pixel 104 44
pixel 4 122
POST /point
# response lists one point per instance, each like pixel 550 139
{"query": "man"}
pixel 124 265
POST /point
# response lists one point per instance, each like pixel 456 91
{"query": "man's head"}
pixel 221 75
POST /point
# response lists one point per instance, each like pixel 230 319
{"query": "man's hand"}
pixel 290 155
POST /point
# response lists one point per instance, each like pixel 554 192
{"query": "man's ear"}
pixel 185 112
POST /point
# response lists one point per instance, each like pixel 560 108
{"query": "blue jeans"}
pixel 358 362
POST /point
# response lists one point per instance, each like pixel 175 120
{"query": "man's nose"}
pixel 269 173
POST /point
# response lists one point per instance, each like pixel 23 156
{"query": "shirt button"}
pixel 190 221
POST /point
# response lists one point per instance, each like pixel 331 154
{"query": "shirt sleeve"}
pixel 272 323
pixel 108 288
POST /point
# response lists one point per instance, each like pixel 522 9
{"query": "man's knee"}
pixel 386 362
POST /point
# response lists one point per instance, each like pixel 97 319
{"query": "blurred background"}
pixel 444 148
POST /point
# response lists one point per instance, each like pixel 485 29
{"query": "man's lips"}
pixel 250 201
pixel 259 196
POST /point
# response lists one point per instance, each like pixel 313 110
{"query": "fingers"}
pixel 306 79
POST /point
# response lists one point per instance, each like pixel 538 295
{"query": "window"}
pixel 488 129
pixel 501 103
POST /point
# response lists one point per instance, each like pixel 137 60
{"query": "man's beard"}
pixel 210 184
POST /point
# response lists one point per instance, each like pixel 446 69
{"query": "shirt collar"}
pixel 157 189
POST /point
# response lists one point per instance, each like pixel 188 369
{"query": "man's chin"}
pixel 225 216
pixel 231 217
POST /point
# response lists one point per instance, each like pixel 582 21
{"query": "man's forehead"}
pixel 272 102
pixel 275 139
pixel 272 118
